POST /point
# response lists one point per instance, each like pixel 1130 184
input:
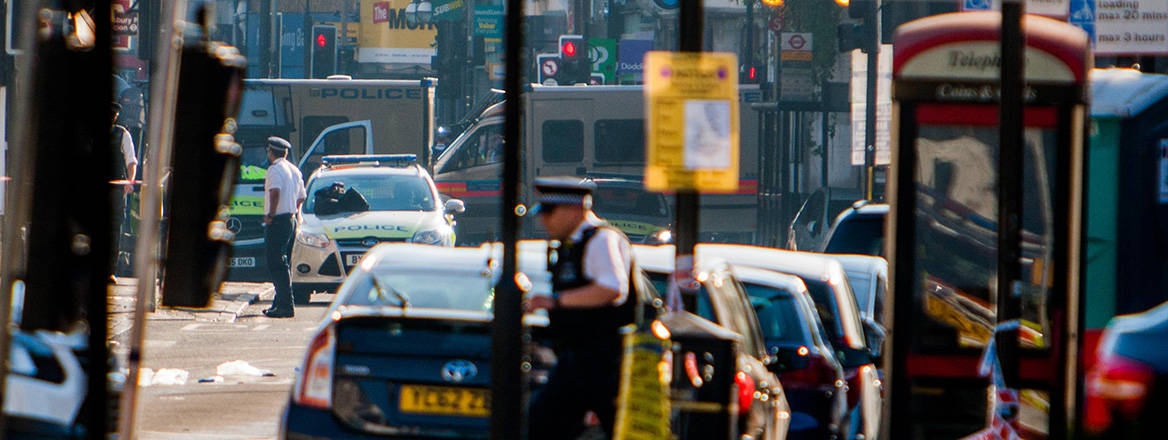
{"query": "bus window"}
pixel 563 141
pixel 620 141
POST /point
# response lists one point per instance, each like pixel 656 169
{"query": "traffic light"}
pixel 851 36
pixel 574 64
pixel 324 50
pixel 206 159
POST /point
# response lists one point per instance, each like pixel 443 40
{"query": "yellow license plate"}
pixel 446 401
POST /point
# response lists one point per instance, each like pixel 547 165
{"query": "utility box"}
pixel 702 390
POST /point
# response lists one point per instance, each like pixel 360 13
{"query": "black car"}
pixel 404 350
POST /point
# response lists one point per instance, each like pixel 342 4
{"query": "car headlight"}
pixel 429 236
pixel 314 239
pixel 663 236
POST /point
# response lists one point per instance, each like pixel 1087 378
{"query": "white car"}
pixel 356 202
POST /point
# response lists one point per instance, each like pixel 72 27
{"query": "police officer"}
pixel 283 194
pixel 590 302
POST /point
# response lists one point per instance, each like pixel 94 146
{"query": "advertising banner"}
pixel 387 37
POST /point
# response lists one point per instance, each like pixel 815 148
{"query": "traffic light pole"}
pixel 873 26
pixel 507 330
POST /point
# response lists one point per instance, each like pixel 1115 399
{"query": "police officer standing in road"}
pixel 284 192
pixel 590 302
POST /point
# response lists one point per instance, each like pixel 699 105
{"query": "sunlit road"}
pixel 243 402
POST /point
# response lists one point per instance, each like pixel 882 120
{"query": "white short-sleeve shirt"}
pixel 607 258
pixel 283 175
pixel 128 153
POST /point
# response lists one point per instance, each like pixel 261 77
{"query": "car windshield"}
pixel 618 201
pixel 381 192
pixel 459 290
pixel 778 314
pixel 863 236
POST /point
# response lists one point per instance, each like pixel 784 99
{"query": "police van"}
pixel 319 117
pixel 581 131
pixel 356 202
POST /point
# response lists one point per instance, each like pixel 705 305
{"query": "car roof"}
pixel 661 259
pixel 754 275
pixel 398 257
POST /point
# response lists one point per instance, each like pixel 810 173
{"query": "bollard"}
pixel 702 390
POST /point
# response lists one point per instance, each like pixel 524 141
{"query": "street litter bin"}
pixel 702 389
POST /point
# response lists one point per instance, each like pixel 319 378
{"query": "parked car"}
pixel 357 201
pixel 827 283
pixel 1126 388
pixel 404 349
pixel 857 230
pixel 764 413
pixel 808 229
pixel 806 364
pixel 868 277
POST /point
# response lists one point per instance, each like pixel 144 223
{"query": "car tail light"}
pixel 745 391
pixel 1115 385
pixel 316 378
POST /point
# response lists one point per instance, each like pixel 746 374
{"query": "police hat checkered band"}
pixel 561 199
pixel 276 143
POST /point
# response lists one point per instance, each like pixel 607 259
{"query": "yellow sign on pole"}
pixel 692 105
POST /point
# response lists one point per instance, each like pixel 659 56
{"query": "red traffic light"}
pixel 321 40
pixel 569 49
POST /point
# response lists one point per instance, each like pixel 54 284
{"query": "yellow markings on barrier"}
pixel 643 404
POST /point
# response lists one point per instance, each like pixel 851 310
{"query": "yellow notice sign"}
pixel 692 105
pixel 643 403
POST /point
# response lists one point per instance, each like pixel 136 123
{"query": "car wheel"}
pixel 301 295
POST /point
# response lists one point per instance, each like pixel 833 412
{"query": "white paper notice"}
pixel 707 134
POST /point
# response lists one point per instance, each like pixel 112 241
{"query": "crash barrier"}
pixel 643 404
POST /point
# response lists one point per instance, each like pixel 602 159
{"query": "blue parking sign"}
pixel 1083 16
pixel 976 5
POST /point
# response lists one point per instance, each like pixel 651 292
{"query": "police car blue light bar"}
pixel 390 159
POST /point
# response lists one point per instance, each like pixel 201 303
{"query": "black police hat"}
pixel 564 190
pixel 278 144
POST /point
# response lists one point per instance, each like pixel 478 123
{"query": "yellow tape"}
pixel 643 405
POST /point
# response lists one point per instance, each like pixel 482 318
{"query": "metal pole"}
pixel 749 64
pixel 265 42
pixel 307 44
pixel 686 218
pixel 147 253
pixel 1011 146
pixel 873 20
pixel 507 422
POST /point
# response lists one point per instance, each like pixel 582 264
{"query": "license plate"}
pixel 352 259
pixel 242 262
pixel 446 401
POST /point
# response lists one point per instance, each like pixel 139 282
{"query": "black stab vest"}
pixel 595 329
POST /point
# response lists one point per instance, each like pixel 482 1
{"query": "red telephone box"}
pixel 942 369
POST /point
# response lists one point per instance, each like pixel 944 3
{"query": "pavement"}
pixel 226 305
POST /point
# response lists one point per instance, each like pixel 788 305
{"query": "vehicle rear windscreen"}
pixel 863 236
pixel 701 303
pixel 778 315
pixel 431 289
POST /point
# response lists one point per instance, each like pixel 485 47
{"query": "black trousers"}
pixel 277 245
pixel 584 379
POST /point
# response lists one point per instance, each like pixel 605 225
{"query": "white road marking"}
pixel 159 344
pixel 261 327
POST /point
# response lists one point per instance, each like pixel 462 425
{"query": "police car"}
pixel 356 202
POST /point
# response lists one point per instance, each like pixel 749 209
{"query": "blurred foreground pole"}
pixel 1011 146
pixel 507 392
pixel 686 216
pixel 64 127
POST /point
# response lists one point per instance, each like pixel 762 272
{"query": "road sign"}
pixel 548 65
pixel 800 41
pixel 1131 27
pixel 692 138
pixel 776 22
pixel 602 54
pixel 596 79
pixel 1049 8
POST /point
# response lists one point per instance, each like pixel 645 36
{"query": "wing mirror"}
pixel 455 206
pixel 874 333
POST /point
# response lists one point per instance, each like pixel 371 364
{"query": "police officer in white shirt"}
pixel 284 192
pixel 590 302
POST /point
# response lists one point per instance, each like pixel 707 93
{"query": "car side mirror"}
pixel 875 334
pixel 455 206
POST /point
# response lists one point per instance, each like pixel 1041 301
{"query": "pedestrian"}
pixel 125 170
pixel 591 300
pixel 284 192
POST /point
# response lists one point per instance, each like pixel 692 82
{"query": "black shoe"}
pixel 278 313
